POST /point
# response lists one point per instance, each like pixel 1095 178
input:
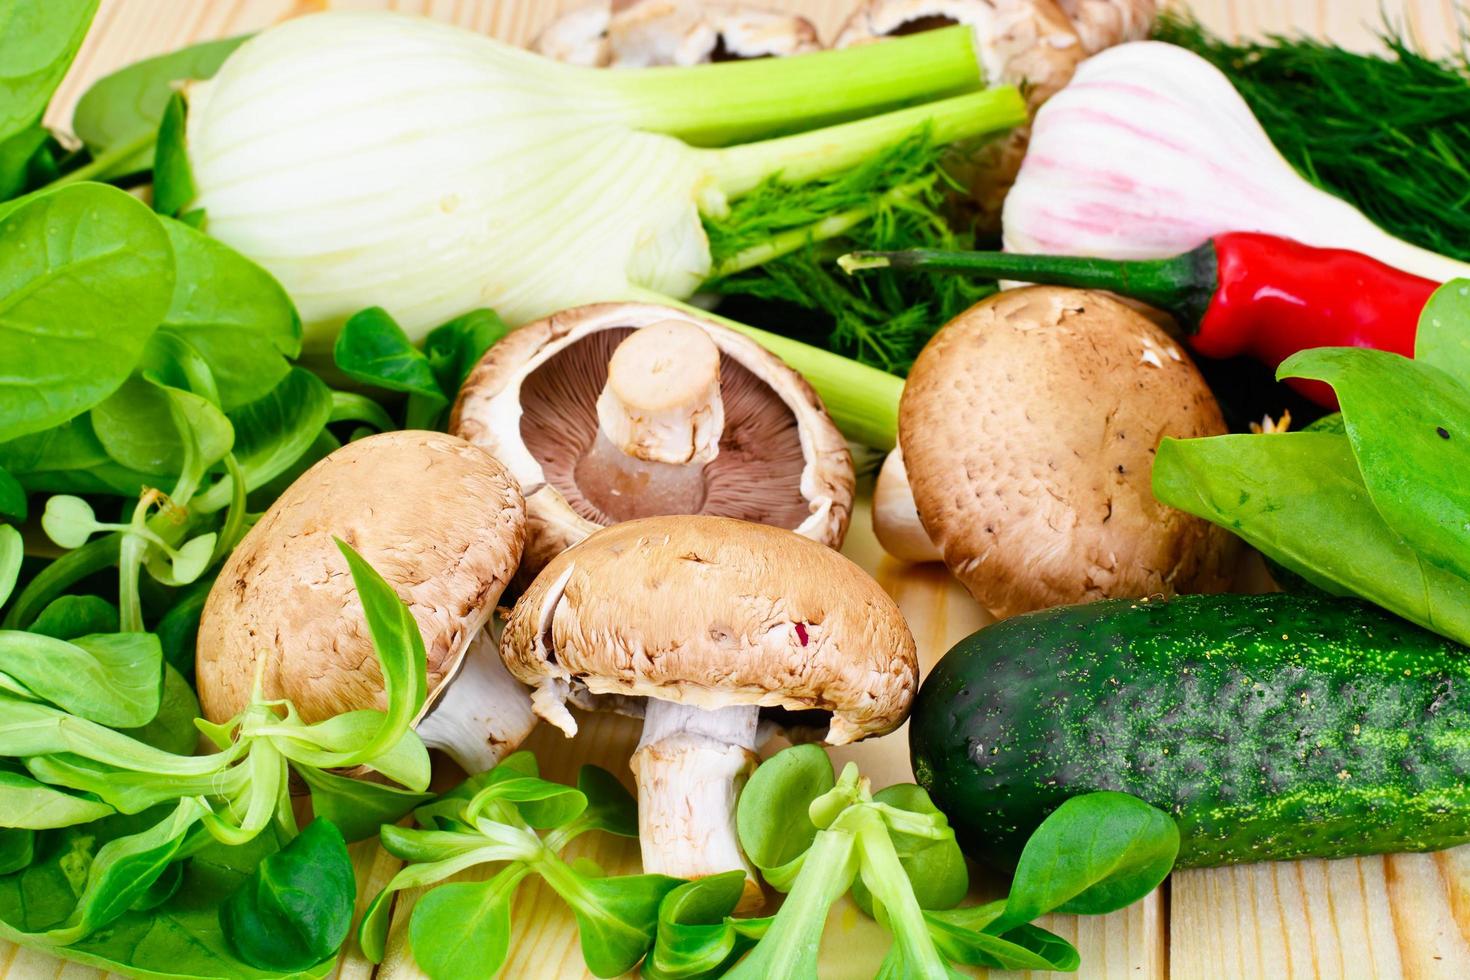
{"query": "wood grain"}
pixel 1401 916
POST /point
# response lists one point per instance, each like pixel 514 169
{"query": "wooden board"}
pixel 1402 916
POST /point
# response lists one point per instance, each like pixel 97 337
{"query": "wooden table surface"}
pixel 1400 916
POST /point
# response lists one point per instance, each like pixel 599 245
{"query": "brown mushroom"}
pixel 720 629
pixel 1036 44
pixel 1029 425
pixel 647 33
pixel 443 523
pixel 611 412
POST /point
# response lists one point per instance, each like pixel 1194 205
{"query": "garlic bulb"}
pixel 1150 151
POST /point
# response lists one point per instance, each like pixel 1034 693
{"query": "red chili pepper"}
pixel 1240 293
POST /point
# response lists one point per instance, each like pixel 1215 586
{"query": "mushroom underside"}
pixel 755 477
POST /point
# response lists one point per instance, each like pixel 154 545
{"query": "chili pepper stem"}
pixel 1183 285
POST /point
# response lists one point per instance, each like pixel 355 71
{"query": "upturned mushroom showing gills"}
pixel 650 33
pixel 718 631
pixel 1028 426
pixel 611 412
pixel 443 523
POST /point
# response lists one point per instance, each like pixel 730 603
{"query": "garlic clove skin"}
pixel 1150 152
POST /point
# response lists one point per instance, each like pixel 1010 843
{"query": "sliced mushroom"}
pixel 646 33
pixel 1029 425
pixel 443 523
pixel 725 631
pixel 611 412
pixel 1036 44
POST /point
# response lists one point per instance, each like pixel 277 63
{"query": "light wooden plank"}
pixel 1400 916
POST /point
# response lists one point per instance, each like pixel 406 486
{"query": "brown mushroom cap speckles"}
pixel 712 612
pixel 438 518
pixel 1029 426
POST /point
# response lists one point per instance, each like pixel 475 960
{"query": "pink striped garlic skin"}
pixel 1150 151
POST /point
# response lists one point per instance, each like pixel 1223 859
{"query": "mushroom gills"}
pixel 484 714
pixel 608 454
pixel 690 765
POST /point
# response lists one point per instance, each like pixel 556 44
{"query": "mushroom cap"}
pixel 532 403
pixel 1104 23
pixel 1029 425
pixel 438 518
pixel 713 612
pixel 648 33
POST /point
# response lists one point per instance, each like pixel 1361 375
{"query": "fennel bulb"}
pixel 1150 151
pixel 376 159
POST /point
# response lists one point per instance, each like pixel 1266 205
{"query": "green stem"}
pixel 129 569
pixel 1184 285
pixel 786 242
pixel 61 575
pixel 790 946
pixel 862 400
pixel 97 168
pixel 715 105
pixel 887 880
pixel 806 156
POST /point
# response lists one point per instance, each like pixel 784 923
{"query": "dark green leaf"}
pixel 610 807
pixel 374 350
pixel 178 630
pixel 164 887
pixel 1298 498
pixel 357 807
pixel 348 406
pixel 1094 854
pixel 1409 425
pixel 38 40
pixel 71 616
pixel 233 313
pixel 17 849
pixel 12 498
pixel 772 815
pixel 85 276
pixel 114 679
pixel 126 107
pixel 68 458
pixel 173 177
pixel 18 155
pixel 456 347
pixel 462 931
pixel 1025 947
pixel 296 909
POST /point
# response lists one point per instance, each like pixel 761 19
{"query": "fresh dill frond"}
pixel 898 199
pixel 1388 133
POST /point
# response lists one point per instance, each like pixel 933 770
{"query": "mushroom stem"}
pixel 484 713
pixel 896 516
pixel 660 418
pixel 690 765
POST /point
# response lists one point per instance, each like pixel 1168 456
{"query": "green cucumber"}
pixel 1272 726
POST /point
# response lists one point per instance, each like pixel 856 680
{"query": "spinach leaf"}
pixel 71 616
pixel 1443 339
pixel 68 458
pixel 296 908
pixel 233 313
pixel 178 630
pixel 28 804
pixel 12 497
pixel 136 426
pixel 373 349
pixel 1409 425
pixel 114 679
pixel 86 274
pixel 1094 854
pixel 771 816
pixel 17 849
pixel 38 40
pixel 616 917
pixel 456 347
pixel 172 728
pixel 173 177
pixel 695 936
pixel 1025 947
pixel 935 868
pixel 123 110
pixel 1299 499
pixel 273 433
pixel 19 160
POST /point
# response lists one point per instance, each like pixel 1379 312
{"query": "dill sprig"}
pixel 885 319
pixel 1389 133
